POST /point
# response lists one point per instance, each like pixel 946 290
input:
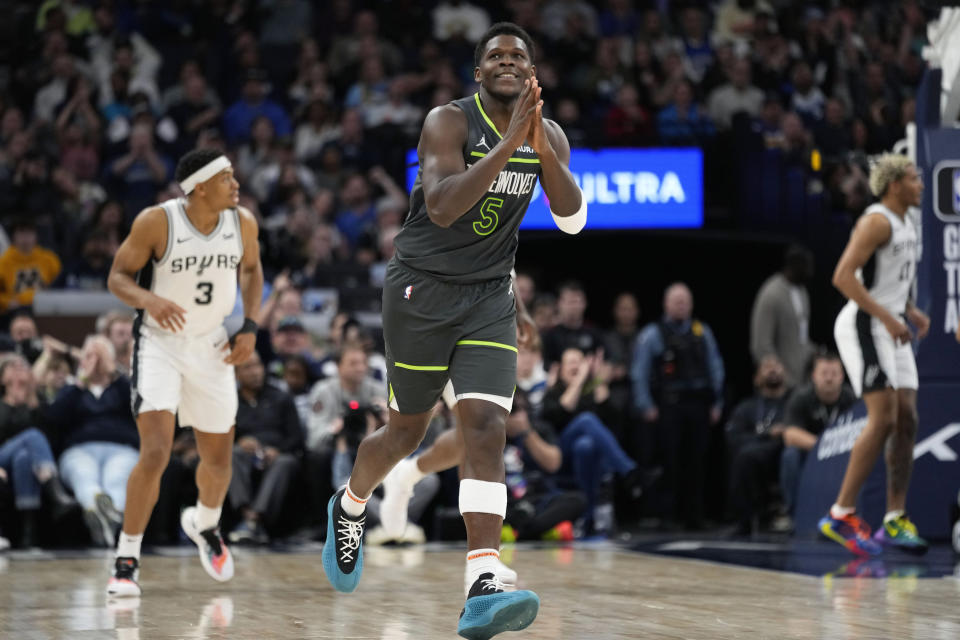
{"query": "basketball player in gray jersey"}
pixel 449 312
pixel 179 269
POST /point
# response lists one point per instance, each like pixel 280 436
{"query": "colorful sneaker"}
pixel 490 610
pixel 123 582
pixel 215 557
pixel 343 550
pixel 506 576
pixel 851 532
pixel 901 533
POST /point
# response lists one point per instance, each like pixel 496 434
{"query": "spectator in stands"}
pixel 536 504
pixel 90 270
pixel 755 443
pixel 117 327
pixel 544 312
pixel 796 141
pixel 345 408
pixel 239 117
pixel 257 152
pixel 677 379
pixel 269 440
pixel 25 335
pixel 780 320
pixel 291 338
pixel 570 330
pixel 531 376
pixel 141 172
pixel 456 19
pixel 25 267
pixel 26 460
pixel 357 212
pixel 297 382
pixel 810 410
pixel 807 99
pixel 98 436
pixel 833 134
pixel 317 128
pixel 577 406
pixel 737 96
pixel 681 122
pixel 619 346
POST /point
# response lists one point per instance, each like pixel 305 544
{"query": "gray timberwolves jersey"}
pixel 482 243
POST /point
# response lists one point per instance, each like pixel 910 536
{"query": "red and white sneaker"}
pixel 123 582
pixel 215 557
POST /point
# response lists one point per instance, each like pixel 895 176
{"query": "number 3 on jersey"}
pixel 206 291
pixel 488 216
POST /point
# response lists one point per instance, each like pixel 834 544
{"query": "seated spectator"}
pixel 140 173
pixel 298 382
pixel 254 102
pixel 536 505
pixel 357 212
pixel 809 411
pixel 544 312
pixel 291 338
pixel 345 409
pixel 682 122
pixel 90 270
pixel 267 453
pixel 737 96
pixel 531 376
pixel 117 327
pixel 25 335
pixel 99 439
pixel 754 440
pixel 25 267
pixel 570 330
pixel 26 460
pixel 577 406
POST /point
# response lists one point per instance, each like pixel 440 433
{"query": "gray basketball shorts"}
pixel 437 331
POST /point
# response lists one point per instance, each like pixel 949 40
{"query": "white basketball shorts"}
pixel 185 376
pixel 872 359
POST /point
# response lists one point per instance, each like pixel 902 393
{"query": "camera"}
pixel 355 421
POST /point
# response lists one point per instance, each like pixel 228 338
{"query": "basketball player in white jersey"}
pixel 876 273
pixel 179 269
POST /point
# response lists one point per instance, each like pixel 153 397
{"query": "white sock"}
pixel 480 561
pixel 836 511
pixel 352 505
pixel 207 517
pixel 413 472
pixel 893 515
pixel 128 546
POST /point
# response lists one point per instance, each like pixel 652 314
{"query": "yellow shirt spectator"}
pixel 24 268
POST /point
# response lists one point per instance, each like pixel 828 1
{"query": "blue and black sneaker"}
pixel 343 550
pixel 490 610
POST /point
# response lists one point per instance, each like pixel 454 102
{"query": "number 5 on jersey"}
pixel 488 216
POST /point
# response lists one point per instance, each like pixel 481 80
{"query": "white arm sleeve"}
pixel 575 223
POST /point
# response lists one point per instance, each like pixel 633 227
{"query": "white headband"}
pixel 204 173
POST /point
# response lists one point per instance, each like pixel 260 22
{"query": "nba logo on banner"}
pixel 956 191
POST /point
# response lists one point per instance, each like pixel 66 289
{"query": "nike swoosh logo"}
pixel 227 236
pixel 179 240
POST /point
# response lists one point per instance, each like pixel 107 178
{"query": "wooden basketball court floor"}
pixel 600 591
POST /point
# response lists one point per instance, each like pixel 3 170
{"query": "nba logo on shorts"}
pixel 956 191
pixel 407 292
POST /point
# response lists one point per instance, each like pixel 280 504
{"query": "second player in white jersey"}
pixel 198 271
pixel 180 267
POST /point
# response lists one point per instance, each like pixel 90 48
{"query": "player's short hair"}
pixel 501 29
pixel 889 168
pixel 193 161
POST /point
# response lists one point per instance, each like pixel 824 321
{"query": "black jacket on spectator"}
pixel 13 420
pixel 804 409
pixel 77 416
pixel 273 420
pixel 560 338
pixel 557 415
pixel 752 419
